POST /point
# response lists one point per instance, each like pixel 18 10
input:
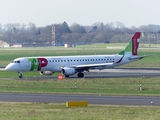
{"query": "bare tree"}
pixel 76 28
pixel 119 25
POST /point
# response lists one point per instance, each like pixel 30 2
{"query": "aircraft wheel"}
pixel 80 75
pixel 66 76
pixel 20 75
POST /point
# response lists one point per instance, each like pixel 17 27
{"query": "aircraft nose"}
pixel 8 67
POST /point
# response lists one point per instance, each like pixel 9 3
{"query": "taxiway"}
pixel 92 99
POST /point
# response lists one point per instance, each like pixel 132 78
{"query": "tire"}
pixel 80 75
pixel 66 76
pixel 20 76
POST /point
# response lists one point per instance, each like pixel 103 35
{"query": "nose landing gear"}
pixel 20 75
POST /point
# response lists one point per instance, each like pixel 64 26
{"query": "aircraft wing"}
pixel 93 65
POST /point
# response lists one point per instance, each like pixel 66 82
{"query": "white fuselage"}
pixel 57 63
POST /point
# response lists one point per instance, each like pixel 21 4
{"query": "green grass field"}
pixel 51 111
pixel 103 86
pixel 9 82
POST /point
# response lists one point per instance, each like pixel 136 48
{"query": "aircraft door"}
pixel 21 64
pixel 27 64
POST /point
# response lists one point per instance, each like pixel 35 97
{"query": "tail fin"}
pixel 132 47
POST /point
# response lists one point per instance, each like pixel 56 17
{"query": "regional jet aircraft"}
pixel 70 65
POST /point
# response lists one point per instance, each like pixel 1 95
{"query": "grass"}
pixel 87 86
pixel 9 82
pixel 50 111
pixel 104 86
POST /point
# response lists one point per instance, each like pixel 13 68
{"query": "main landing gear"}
pixel 80 75
pixel 66 76
pixel 20 75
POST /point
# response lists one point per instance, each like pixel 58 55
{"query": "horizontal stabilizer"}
pixel 138 57
pixel 135 57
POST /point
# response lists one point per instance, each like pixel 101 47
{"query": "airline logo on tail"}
pixel 135 42
pixel 132 47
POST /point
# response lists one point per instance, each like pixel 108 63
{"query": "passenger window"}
pixel 61 60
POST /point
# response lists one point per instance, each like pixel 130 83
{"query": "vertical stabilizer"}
pixel 135 43
pixel 132 47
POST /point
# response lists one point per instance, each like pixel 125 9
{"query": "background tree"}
pixel 76 33
pixel 76 28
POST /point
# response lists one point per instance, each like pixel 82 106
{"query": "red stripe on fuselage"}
pixel 120 60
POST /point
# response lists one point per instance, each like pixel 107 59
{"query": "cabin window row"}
pixel 82 60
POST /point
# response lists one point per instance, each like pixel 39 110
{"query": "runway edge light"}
pixel 76 103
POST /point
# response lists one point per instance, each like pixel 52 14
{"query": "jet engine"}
pixel 68 71
pixel 46 72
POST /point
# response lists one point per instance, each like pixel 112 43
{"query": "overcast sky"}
pixel 84 12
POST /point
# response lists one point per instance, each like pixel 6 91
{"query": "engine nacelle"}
pixel 46 72
pixel 68 71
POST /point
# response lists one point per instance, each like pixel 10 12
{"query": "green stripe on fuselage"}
pixel 34 63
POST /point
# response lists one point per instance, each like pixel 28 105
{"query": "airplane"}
pixel 70 65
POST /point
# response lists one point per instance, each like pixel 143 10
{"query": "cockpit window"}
pixel 16 62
